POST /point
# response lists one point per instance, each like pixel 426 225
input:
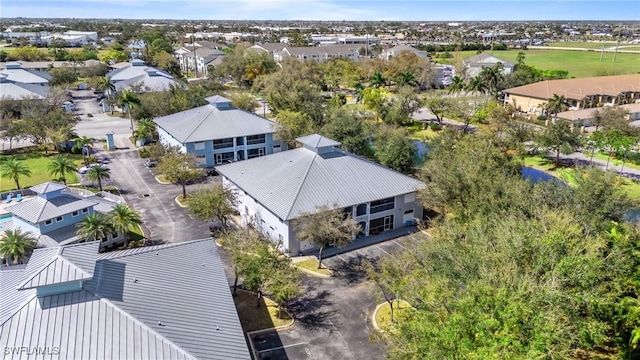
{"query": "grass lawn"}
pixel 401 309
pixel 586 45
pixel 615 161
pixel 577 63
pixel 255 318
pixel 312 265
pixel 38 163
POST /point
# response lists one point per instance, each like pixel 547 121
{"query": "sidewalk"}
pixel 582 159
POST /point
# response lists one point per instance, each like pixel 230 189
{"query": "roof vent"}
pixel 160 323
pixel 135 280
pixel 157 253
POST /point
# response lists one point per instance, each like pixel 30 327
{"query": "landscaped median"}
pixel 309 266
pixel 381 318
pixel 264 316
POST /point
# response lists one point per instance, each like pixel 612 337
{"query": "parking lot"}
pixel 333 316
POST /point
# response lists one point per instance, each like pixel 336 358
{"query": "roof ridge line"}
pixel 306 174
pixel 153 248
pixel 23 283
pixel 201 120
pixel 19 308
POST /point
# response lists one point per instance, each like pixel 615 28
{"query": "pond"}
pixel 535 175
pixel 421 147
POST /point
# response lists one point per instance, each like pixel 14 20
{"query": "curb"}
pixel 313 273
pixel 373 318
pixel 179 203
pixel 157 177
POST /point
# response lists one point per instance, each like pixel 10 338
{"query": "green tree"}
pixel 394 149
pixel 83 144
pixel 115 56
pixel 349 128
pixel 180 168
pixel 123 220
pixel 556 104
pixel 212 203
pixel 16 244
pixel 104 84
pixel 291 125
pixel 559 138
pixel 326 227
pixel 99 174
pixel 63 75
pixel 492 76
pixel 244 101
pixel 129 98
pixel 60 166
pixel 145 130
pixel 477 85
pixel 283 283
pixel 94 226
pixel 457 85
pixel 377 80
pixel 14 169
pixel 438 105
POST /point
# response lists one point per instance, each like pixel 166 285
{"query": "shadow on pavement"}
pixel 311 311
pixel 350 271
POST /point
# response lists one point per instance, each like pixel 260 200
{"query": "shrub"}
pixel 90 115
pixel 541 118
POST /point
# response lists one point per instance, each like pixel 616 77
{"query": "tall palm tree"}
pixel 16 245
pixel 477 85
pixel 145 128
pixel 60 166
pixel 377 80
pixel 83 143
pixel 556 104
pixel 98 173
pixel 492 76
pixel 457 85
pixel 130 98
pixel 123 219
pixel 407 78
pixel 105 84
pixel 14 169
pixel 359 92
pixel 93 227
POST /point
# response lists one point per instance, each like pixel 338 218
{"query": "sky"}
pixel 412 10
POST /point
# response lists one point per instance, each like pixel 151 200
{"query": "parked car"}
pixel 101 97
pixel 150 163
pixel 84 169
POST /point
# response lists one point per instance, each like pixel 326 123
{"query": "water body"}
pixel 422 148
pixel 535 175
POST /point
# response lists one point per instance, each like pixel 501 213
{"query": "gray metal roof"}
pixel 65 264
pixel 297 181
pixel 208 123
pixel 20 91
pixel 47 187
pixel 317 141
pixel 152 83
pixel 38 209
pixel 131 71
pixel 62 236
pixel 140 304
pixel 26 76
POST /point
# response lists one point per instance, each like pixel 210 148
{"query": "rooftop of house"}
pixel 216 120
pixel 134 69
pixel 16 73
pixel 21 91
pixel 297 181
pixel 126 304
pixel 584 114
pixel 484 58
pixel 578 89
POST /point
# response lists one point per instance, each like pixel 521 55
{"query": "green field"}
pixel 578 63
pixel 587 45
pixel 37 163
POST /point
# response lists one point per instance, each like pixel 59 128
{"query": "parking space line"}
pixel 381 249
pixel 361 253
pixel 341 258
pixel 397 243
pixel 282 347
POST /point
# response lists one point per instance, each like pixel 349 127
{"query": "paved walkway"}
pixel 580 158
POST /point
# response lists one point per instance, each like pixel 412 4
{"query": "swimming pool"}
pixel 4 218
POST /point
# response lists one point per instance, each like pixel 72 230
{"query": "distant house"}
pixel 54 213
pixel 198 59
pixel 580 93
pixel 585 116
pixel 268 48
pixel 138 74
pixel 317 53
pixel 158 302
pixel 14 72
pixel 398 49
pixel 218 133
pixel 473 66
pixel 275 190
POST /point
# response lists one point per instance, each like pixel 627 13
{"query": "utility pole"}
pixel 602 52
pixel 615 53
pixel 195 59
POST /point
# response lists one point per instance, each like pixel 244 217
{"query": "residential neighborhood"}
pixel 178 188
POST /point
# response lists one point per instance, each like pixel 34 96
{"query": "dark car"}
pixel 101 97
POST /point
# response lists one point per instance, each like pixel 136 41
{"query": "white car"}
pixel 84 169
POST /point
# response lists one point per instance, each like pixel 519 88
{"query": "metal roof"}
pixel 208 123
pixel 26 76
pixel 140 304
pixel 317 141
pixel 131 71
pixel 38 209
pixel 297 181
pixel 20 91
pixel 150 83
pixel 47 187
pixel 579 88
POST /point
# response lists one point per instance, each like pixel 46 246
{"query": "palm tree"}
pixel 406 78
pixel 556 104
pixel 98 173
pixel 93 227
pixel 104 84
pixel 477 85
pixel 123 219
pixel 60 166
pixel 457 85
pixel 13 169
pixel 492 76
pixel 145 128
pixel 16 244
pixel 377 80
pixel 359 92
pixel 130 98
pixel 84 144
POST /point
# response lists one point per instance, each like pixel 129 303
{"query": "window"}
pixel 239 140
pixel 252 153
pixel 361 210
pixel 223 143
pixel 377 226
pixel 59 218
pixel 104 239
pixel 256 139
pixel 114 236
pixel 74 214
pixel 85 210
pixel 198 145
pixel 382 205
pixel 48 222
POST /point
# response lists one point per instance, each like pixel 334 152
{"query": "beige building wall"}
pixel 525 103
